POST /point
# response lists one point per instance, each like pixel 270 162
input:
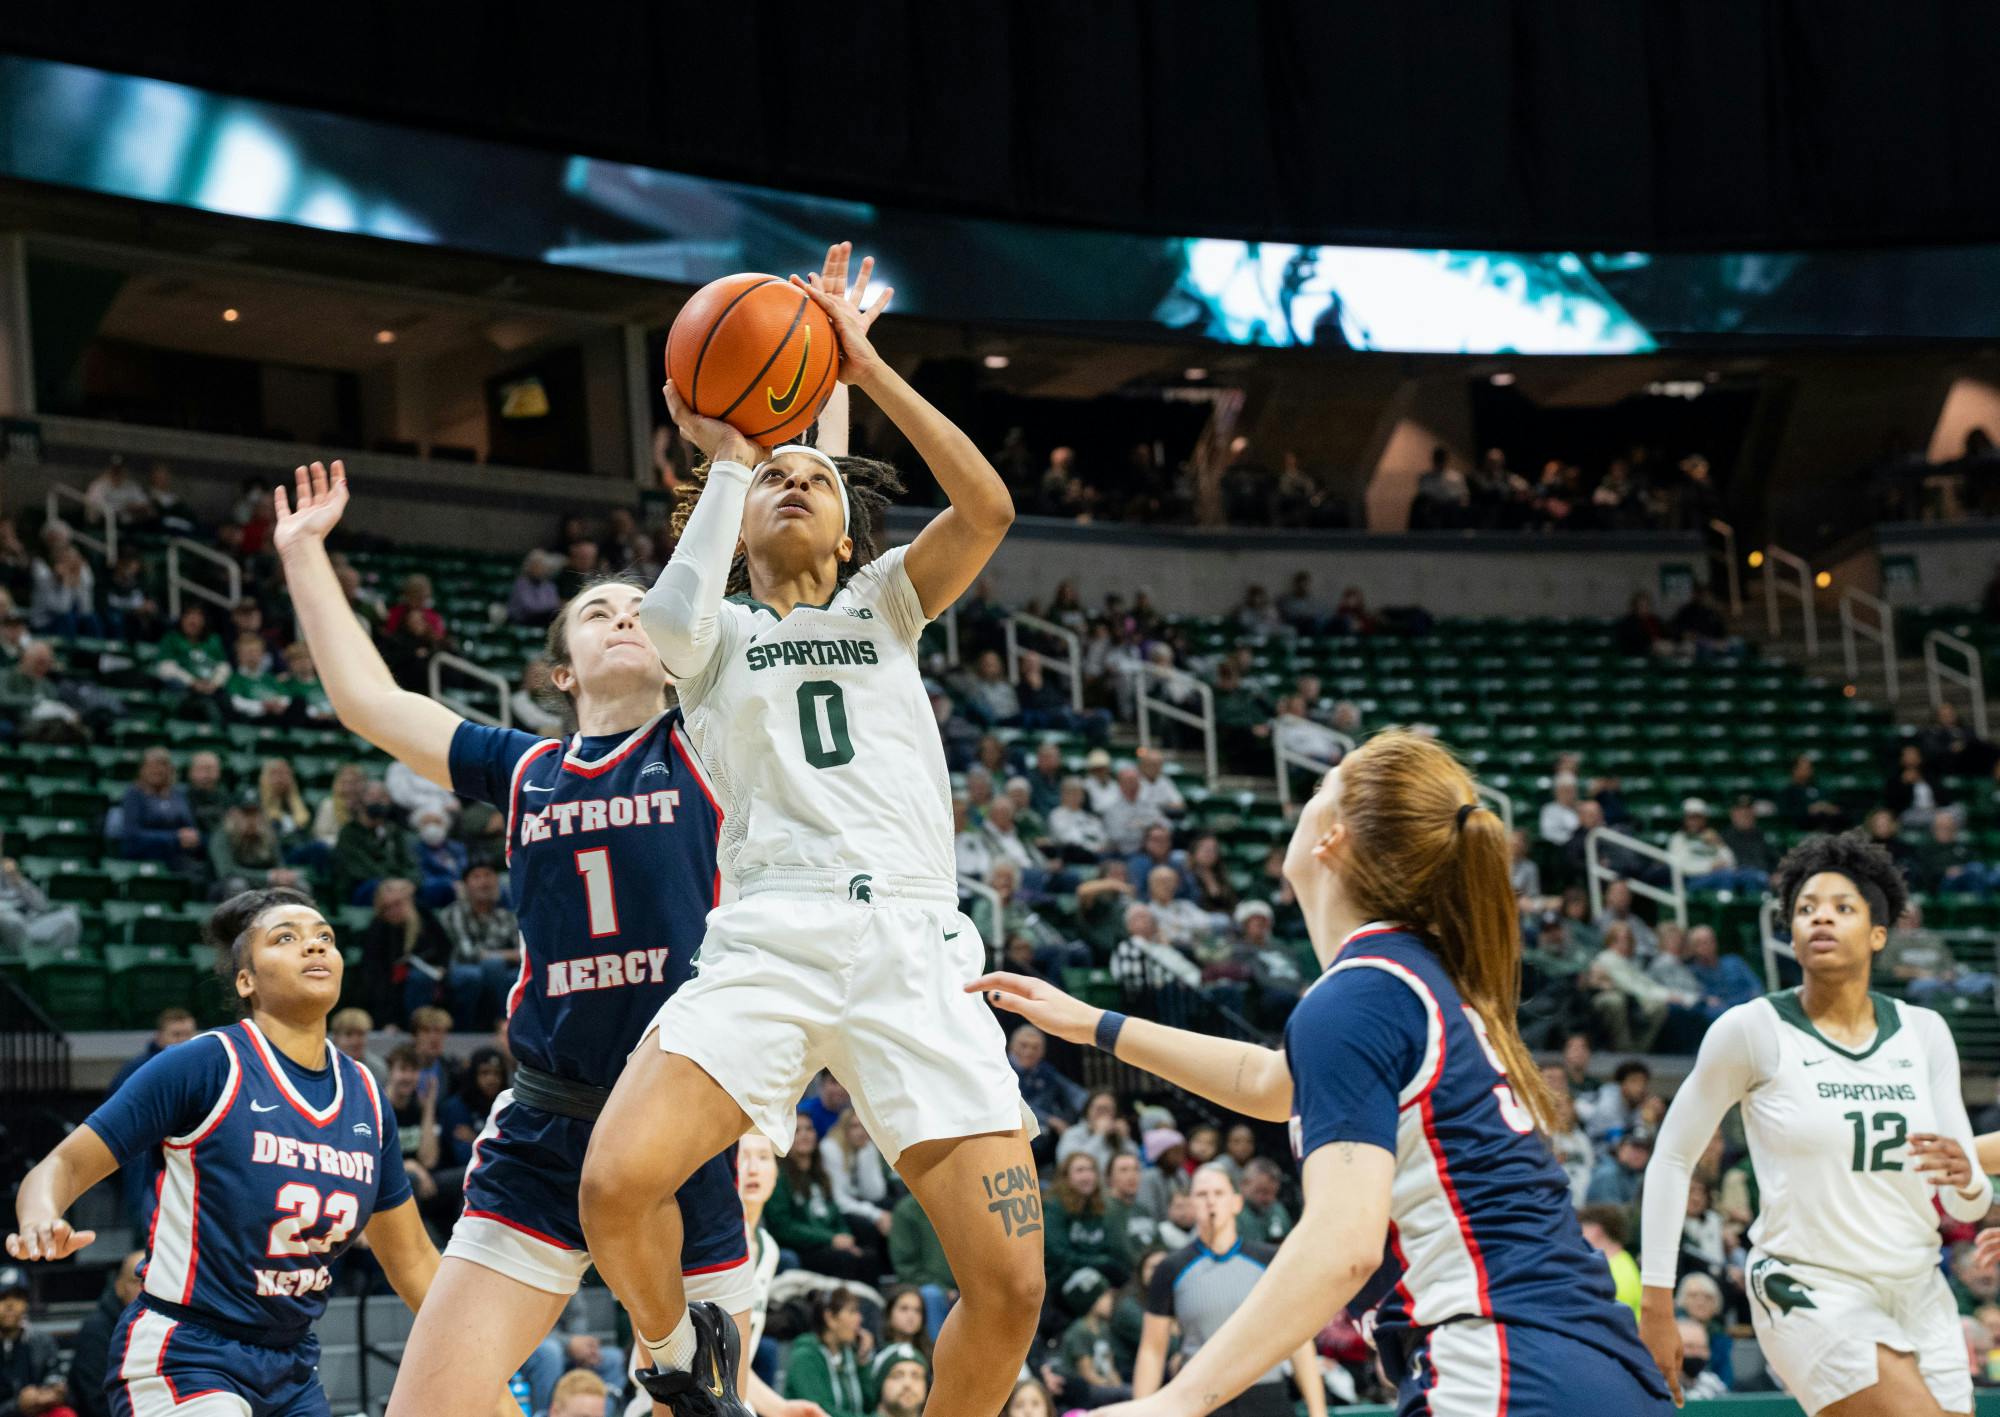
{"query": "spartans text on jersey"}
pixel 816 653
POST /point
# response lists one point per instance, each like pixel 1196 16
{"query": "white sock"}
pixel 676 1350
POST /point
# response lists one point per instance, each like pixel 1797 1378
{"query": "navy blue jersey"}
pixel 612 872
pixel 269 1170
pixel 1382 1050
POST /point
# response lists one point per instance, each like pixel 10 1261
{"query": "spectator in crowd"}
pixel 1922 963
pixel 485 940
pixel 1143 961
pixel 1641 632
pixel 157 824
pixel 1126 1220
pixel 281 804
pixel 1803 803
pixel 1559 819
pixel 1076 1232
pixel 1156 784
pixel 341 805
pixel 170 511
pixel 115 495
pixel 900 1376
pixel 1913 794
pixel 1300 736
pixel 401 942
pixel 349 1029
pixel 530 701
pixel 1100 783
pixel 370 848
pixel 534 599
pixel 917 1257
pixel 1156 848
pixel 1698 1380
pixel 1007 844
pixel 1630 1007
pixel 255 694
pixel 1182 924
pixel 1604 1229
pixel 31 1366
pixel 1054 1099
pixel 1087 1359
pixel 1166 1174
pixel 1950 749
pixel 14 633
pixel 824 1364
pixel 64 599
pixel 1617 1105
pixel 1699 1297
pixel 243 853
pixel 246 618
pixel 858 1175
pixel 90 1354
pixel 1745 840
pixel 1705 860
pixel 1074 829
pixel 1945 864
pixel 826 1102
pixel 990 697
pixel 1567 1138
pixel 1128 815
pixel 209 798
pixel 1618 910
pixel 130 612
pixel 1882 830
pixel 959 736
pixel 46 707
pixel 463 1114
pixel 437 862
pixel 1723 981
pixel 1264 1216
pixel 192 658
pixel 27 917
pixel 1212 891
pixel 1103 1133
pixel 579 1393
pixel 413 1097
pixel 1045 778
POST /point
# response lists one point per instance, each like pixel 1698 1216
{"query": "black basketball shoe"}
pixel 709 1389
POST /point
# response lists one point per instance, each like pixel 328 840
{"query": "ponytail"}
pixel 1426 853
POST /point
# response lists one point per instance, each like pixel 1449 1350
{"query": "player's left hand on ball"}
pixel 1940 1160
pixel 1040 1003
pixel 858 360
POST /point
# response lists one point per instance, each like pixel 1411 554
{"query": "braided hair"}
pixel 871 486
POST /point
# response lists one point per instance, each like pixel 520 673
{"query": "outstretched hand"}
pixel 48 1240
pixel 322 497
pixel 830 290
pixel 718 441
pixel 1040 1003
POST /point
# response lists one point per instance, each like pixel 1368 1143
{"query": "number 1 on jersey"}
pixel 595 868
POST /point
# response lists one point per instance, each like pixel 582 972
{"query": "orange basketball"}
pixel 754 351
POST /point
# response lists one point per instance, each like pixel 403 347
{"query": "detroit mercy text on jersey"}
pixel 270 1170
pixel 612 872
pixel 1383 1050
pixel 819 736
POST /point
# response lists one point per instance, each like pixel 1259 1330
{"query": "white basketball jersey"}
pixel 1828 1129
pixel 819 736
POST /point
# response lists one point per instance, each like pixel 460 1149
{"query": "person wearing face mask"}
pixel 439 861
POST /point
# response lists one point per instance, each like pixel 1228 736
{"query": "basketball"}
pixel 754 351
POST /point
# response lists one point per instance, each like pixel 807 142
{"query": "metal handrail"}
pixel 1288 758
pixel 995 949
pixel 1205 720
pixel 1774 557
pixel 1500 800
pixel 1882 632
pixel 1775 949
pixel 1733 574
pixel 1972 678
pixel 176 582
pixel 105 546
pixel 1597 873
pixel 1071 641
pixel 442 662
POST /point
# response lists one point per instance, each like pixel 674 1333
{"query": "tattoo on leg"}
pixel 1016 1197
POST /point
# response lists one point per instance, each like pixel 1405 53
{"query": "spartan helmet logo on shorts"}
pixel 1776 1289
pixel 858 889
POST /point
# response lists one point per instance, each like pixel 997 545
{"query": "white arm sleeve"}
pixel 1724 1072
pixel 1942 1051
pixel 679 612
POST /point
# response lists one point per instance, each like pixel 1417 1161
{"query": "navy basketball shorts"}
pixel 162 1367
pixel 521 1220
pixel 1477 1366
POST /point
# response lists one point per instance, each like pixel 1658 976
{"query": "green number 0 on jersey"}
pixel 825 741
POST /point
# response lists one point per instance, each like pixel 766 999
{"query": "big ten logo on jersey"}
pixel 1517 1117
pixel 640 809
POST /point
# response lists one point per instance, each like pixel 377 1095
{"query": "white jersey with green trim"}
pixel 818 735
pixel 1828 1129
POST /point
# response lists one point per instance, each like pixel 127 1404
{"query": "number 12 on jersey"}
pixel 1896 1129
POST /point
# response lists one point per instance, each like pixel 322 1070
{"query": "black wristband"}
pixel 1108 1025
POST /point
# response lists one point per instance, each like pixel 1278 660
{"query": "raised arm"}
pixel 679 614
pixel 411 727
pixel 79 1162
pixel 1244 1077
pixel 949 554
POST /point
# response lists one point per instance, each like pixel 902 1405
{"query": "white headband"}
pixel 817 456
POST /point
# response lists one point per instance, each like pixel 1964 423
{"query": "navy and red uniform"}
pixel 1488 1301
pixel 612 871
pixel 268 1170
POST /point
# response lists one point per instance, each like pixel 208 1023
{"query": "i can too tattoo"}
pixel 1016 1197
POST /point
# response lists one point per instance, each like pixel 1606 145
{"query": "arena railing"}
pixel 34 1052
pixel 996 950
pixel 1775 949
pixel 106 545
pixel 1882 633
pixel 177 582
pixel 1148 705
pixel 462 707
pixel 1732 572
pixel 1285 759
pixel 1071 667
pixel 1972 678
pixel 1776 556
pixel 1598 872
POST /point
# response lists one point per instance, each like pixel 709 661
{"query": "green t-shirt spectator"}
pixel 1270 1225
pixel 251 694
pixel 1072 1242
pixel 801 1221
pixel 814 1373
pixel 197 661
pixel 311 693
pixel 915 1252
pixel 1088 1338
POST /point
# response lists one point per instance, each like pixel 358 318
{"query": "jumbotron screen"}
pixel 163 142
